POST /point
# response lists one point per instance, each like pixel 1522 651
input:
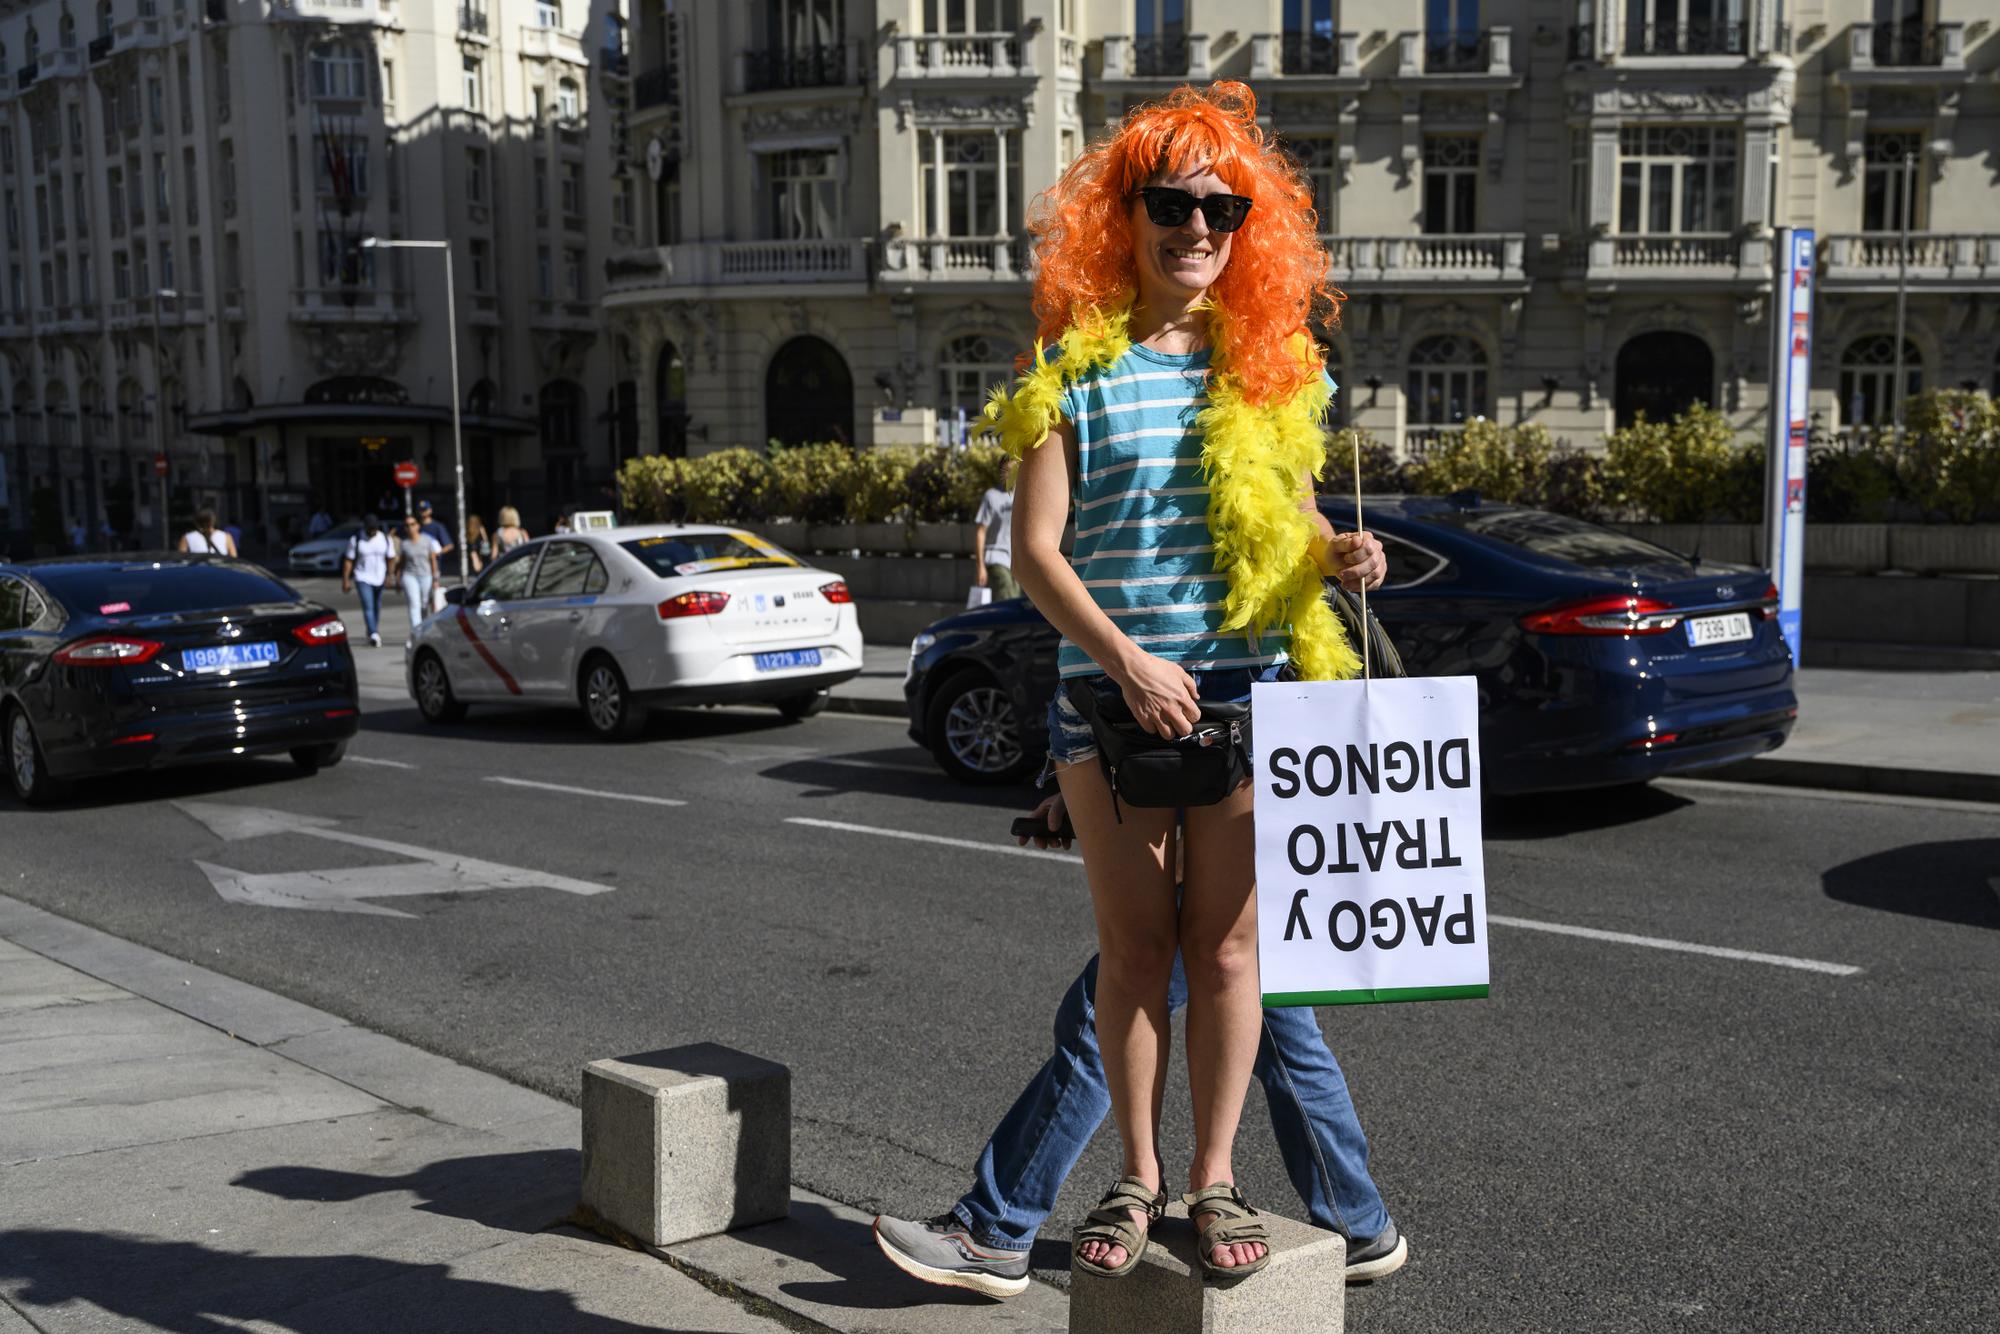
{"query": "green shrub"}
pixel 1505 463
pixel 1951 454
pixel 1856 483
pixel 872 485
pixel 805 482
pixel 1677 471
pixel 649 489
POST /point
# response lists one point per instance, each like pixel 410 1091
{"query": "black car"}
pixel 112 663
pixel 1601 659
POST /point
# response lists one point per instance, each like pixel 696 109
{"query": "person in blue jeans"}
pixel 982 1242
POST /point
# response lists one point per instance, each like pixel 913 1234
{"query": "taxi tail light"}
pixel 693 604
pixel 107 651
pixel 325 630
pixel 836 592
pixel 1767 606
pixel 1616 615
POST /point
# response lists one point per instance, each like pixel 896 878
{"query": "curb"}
pixel 1928 784
pixel 867 707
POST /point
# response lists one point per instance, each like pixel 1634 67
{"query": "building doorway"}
pixel 809 394
pixel 1662 374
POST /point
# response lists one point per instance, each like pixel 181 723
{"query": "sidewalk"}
pixel 180 1150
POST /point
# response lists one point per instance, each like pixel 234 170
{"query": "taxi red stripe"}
pixel 506 678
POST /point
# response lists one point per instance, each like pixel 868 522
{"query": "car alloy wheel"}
pixel 981 733
pixel 434 699
pixel 21 753
pixel 608 704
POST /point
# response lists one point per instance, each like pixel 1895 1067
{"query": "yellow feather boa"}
pixel 1252 459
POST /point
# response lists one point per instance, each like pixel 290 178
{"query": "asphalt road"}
pixel 1622 1137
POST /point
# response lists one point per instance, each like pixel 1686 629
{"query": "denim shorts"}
pixel 1071 740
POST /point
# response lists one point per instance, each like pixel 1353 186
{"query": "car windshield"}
pixel 1556 536
pixel 160 590
pixel 700 553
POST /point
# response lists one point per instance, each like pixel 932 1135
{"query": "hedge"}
pixel 827 483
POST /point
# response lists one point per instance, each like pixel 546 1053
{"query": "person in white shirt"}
pixel 365 567
pixel 207 539
pixel 993 539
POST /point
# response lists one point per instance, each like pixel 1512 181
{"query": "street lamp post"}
pixel 160 414
pixel 451 329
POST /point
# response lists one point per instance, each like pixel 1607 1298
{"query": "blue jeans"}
pixel 371 604
pixel 1040 1139
pixel 417 592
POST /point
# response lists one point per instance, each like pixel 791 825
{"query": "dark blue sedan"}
pixel 1601 659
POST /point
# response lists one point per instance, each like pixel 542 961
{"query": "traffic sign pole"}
pixel 406 477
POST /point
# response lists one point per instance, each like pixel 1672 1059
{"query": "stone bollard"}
pixel 687 1142
pixel 1303 1290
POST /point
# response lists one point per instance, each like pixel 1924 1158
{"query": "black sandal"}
pixel 1110 1223
pixel 1232 1222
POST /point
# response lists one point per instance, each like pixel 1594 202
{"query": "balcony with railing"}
pixel 1434 260
pixel 705 264
pixel 1659 258
pixel 965 55
pixel 1456 56
pixel 358 305
pixel 957 259
pixel 1305 55
pixel 539 43
pixel 1879 260
pixel 1903 51
pixel 472 20
pixel 1174 56
pixel 1686 37
pixel 827 65
pixel 655 87
pixel 100 48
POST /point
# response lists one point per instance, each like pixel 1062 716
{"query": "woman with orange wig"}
pixel 1178 261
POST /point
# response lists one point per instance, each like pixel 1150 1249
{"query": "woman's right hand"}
pixel 1161 696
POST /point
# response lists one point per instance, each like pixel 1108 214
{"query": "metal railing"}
pixel 1158 57
pixel 1905 44
pixel 957 258
pixel 654 87
pixel 1308 53
pixel 472 18
pixel 1455 53
pixel 820 66
pixel 1669 37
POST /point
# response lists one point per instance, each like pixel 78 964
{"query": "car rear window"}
pixel 160 590
pixel 1556 536
pixel 700 553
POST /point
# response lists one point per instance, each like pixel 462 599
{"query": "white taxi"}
pixel 616 621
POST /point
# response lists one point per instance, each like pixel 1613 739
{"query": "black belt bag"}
pixel 1146 769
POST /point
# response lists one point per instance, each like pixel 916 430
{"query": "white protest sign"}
pixel 1370 883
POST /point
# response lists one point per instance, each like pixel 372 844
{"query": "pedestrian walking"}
pixel 319 523
pixel 416 568
pixel 1188 381
pixel 510 533
pixel 435 530
pixel 205 538
pixel 365 569
pixel 993 538
pixel 478 545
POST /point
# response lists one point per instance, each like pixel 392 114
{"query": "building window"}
pixel 1868 390
pixel 541 188
pixel 1310 45
pixel 802 187
pixel 1676 178
pixel 121 276
pixel 970 16
pixel 621 202
pixel 142 270
pixel 343 263
pixel 469 86
pixel 475 175
pixel 1318 157
pixel 340 165
pixel 571 189
pixel 548 13
pixel 194 265
pixel 1579 179
pixel 573 274
pixel 156 105
pixel 545 278
pixel 1451 34
pixel 1447 383
pixel 167 265
pixel 160 195
pixel 1451 183
pixel 80 201
pixel 336 71
pixel 969 367
pixel 481 260
pixel 972 196
pixel 1895 181
pixel 569 100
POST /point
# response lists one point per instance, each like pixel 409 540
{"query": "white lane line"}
pixel 975 845
pixel 1523 923
pixel 386 764
pixel 589 792
pixel 1679 946
pixel 1761 791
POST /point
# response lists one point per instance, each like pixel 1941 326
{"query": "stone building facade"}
pixel 186 187
pixel 1548 210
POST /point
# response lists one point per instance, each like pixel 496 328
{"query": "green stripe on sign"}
pixel 1278 1000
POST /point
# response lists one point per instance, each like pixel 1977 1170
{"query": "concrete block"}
pixel 1303 1290
pixel 687 1142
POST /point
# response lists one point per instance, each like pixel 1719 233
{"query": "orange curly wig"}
pixel 1276 275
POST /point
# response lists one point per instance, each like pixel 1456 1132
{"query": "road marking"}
pixel 1037 853
pixel 1757 791
pixel 386 764
pixel 343 889
pixel 1679 946
pixel 588 792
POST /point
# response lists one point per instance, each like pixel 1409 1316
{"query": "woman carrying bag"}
pixel 1175 378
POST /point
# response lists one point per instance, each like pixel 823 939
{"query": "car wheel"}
pixel 311 759
pixel 433 690
pixel 975 731
pixel 25 766
pixel 799 707
pixel 607 702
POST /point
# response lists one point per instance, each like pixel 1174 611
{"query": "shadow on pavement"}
pixel 514 724
pixel 178 1285
pixel 1554 814
pixel 864 1280
pixel 222 777
pixel 1956 881
pixel 891 773
pixel 518 1192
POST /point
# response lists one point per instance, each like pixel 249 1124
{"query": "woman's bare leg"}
pixel 1129 865
pixel 1218 934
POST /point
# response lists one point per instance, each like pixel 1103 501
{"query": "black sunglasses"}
pixel 1168 207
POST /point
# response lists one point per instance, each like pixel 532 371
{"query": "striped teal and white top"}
pixel 1142 541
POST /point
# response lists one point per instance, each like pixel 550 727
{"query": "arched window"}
pixel 569 100
pixel 90 406
pixel 809 394
pixel 31 45
pixel 1868 390
pixel 103 18
pixel 670 401
pixel 338 71
pixel 1661 374
pixel 1447 381
pixel 66 32
pixel 969 366
pixel 56 412
pixel 479 403
pixel 561 417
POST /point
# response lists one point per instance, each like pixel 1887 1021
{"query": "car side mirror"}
pixel 454 597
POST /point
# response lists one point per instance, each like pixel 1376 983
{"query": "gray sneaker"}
pixel 1378 1258
pixel 941 1251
